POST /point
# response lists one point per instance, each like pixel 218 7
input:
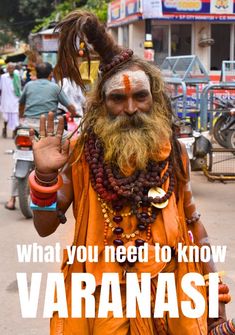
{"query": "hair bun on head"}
pixel 84 26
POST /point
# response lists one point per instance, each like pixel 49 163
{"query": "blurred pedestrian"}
pixel 10 93
pixel 39 97
pixel 76 97
pixel 74 94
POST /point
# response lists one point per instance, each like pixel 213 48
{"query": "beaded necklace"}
pixel 141 191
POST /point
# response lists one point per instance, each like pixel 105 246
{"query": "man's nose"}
pixel 131 106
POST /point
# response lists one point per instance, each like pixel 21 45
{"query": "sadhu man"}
pixel 127 179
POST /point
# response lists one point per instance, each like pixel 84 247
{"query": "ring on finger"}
pixel 50 134
pixel 42 136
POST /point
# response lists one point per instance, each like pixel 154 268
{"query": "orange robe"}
pixel 168 229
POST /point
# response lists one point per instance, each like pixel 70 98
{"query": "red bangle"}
pixel 44 189
pixel 42 196
pixel 43 202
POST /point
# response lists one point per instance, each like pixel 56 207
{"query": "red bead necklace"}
pixel 115 190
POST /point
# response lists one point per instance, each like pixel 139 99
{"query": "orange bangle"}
pixel 223 288
pixel 225 298
pixel 44 189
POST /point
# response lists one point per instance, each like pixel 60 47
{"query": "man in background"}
pixel 10 86
pixel 39 97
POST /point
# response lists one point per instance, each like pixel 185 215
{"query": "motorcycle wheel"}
pixel 24 197
pixel 221 137
pixel 231 139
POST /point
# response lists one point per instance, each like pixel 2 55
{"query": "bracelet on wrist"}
pixel 46 179
pixel 226 328
pixel 43 202
pixel 223 289
pixel 44 189
pixel 194 218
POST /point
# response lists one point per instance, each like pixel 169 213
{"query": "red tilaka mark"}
pixel 127 83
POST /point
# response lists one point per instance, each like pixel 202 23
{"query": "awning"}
pixel 15 57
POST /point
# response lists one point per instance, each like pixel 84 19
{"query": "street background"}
pixel 215 201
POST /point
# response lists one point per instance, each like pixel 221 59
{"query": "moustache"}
pixel 125 122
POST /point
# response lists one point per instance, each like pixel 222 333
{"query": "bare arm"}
pixel 72 110
pixel 21 110
pixel 201 238
pixel 46 222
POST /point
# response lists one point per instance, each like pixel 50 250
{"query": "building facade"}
pixel 205 28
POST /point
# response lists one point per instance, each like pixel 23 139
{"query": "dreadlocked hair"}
pixel 96 101
pixel 81 26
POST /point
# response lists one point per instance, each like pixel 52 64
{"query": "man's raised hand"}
pixel 50 154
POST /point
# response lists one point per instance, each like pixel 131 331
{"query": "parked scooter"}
pixel 224 127
pixel 23 166
pixel 196 143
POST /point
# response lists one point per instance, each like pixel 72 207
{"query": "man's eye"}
pixel 141 96
pixel 117 98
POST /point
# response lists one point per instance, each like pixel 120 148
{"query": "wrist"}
pixel 46 179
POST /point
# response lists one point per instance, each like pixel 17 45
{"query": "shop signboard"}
pixel 152 9
pixel 221 7
pixel 115 11
pixel 132 7
pixel 123 11
pixel 212 10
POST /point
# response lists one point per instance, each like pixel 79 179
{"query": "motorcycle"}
pixel 231 139
pixel 24 164
pixel 224 127
pixel 196 143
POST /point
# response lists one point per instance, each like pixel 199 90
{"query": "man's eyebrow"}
pixel 116 94
pixel 142 91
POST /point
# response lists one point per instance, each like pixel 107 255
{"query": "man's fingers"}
pixel 42 128
pixel 31 134
pixel 50 124
pixel 60 128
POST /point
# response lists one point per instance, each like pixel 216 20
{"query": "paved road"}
pixel 215 202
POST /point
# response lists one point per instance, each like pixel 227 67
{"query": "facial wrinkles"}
pixel 127 80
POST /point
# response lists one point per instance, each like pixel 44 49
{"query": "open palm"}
pixel 49 153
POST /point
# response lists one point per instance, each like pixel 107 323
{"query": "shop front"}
pixel 205 28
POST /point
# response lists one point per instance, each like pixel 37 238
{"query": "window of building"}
pixel 160 42
pixel 220 50
pixel 171 40
pixel 181 39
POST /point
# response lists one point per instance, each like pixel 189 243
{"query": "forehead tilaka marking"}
pixel 127 83
pixel 127 80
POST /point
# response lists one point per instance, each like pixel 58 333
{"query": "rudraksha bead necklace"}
pixel 116 191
